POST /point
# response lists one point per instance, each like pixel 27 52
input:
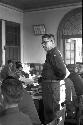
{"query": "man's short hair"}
pixel 12 89
pixel 32 65
pixel 18 62
pixel 48 36
pixel 19 66
pixel 9 61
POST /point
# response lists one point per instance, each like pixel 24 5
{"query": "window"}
pixel 73 50
pixel 12 48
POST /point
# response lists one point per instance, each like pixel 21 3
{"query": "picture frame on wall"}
pixel 39 29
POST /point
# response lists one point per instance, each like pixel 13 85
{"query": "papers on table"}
pixel 28 80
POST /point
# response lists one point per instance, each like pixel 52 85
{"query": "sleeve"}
pixel 57 64
pixel 67 73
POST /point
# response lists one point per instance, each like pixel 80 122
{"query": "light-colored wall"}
pixel 33 52
pixel 10 14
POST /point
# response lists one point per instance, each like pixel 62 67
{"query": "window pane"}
pixel 72 61
pixel 72 46
pixel 67 47
pixel 72 55
pixel 67 61
pixel 67 54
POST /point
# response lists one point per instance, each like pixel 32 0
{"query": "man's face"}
pixel 47 43
pixel 10 64
pixel 20 68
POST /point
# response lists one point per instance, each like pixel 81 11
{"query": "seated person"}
pixel 81 70
pixel 7 70
pixel 22 76
pixel 27 105
pixel 19 71
pixel 12 92
pixel 77 82
pixel 32 69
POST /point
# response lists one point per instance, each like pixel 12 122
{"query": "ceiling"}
pixel 27 5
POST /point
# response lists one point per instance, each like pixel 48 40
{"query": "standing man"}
pixel 54 70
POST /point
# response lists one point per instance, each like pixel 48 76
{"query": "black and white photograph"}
pixel 41 62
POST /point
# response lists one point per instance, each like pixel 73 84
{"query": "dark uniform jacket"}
pixel 54 67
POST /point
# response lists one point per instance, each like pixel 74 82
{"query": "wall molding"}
pixel 42 8
pixel 54 7
pixel 11 7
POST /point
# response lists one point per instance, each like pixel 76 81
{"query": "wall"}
pixel 11 14
pixel 33 52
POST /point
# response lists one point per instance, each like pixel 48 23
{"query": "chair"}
pixel 80 112
pixel 60 117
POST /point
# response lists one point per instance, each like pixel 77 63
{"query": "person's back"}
pixel 12 92
pixel 12 116
pixel 27 106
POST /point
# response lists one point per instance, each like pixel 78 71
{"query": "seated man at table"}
pixel 27 105
pixel 81 70
pixel 7 70
pixel 12 92
pixel 19 71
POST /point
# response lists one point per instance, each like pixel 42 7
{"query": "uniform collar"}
pixel 51 50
